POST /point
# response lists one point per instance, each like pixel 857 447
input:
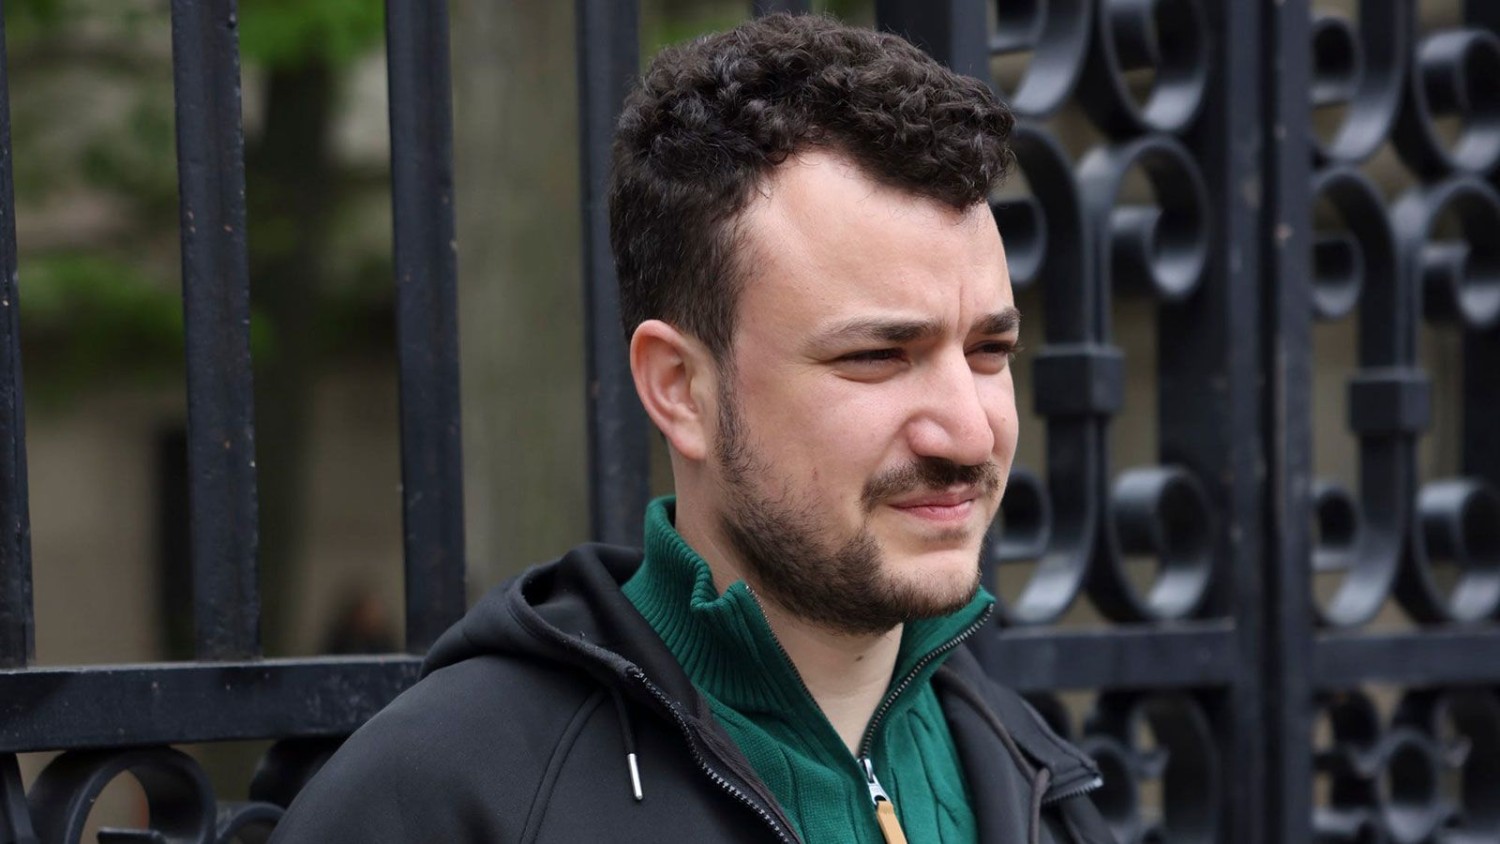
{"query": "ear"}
pixel 674 378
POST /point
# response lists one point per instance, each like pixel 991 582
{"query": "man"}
pixel 820 326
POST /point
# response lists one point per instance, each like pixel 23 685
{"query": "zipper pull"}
pixel 885 810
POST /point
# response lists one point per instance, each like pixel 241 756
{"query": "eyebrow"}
pixel 1000 322
pixel 908 331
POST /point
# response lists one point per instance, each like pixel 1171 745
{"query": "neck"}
pixel 847 674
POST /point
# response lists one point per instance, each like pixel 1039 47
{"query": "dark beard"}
pixel 845 589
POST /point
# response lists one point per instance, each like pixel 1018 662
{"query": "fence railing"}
pixel 1252 653
pixel 115 719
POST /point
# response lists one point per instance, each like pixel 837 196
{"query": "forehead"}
pixel 824 241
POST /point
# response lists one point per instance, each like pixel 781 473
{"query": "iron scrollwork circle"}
pixel 1027 517
pixel 1355 728
pixel 15 814
pixel 1360 252
pixel 1356 265
pixel 1183 757
pixel 1163 512
pixel 1458 520
pixel 1119 798
pixel 1339 528
pixel 180 800
pixel 1024 532
pixel 1161 248
pixel 1449 249
pixel 1169 38
pixel 1385 782
pixel 1457 72
pixel 1042 231
pixel 1465 724
pixel 1021 533
pixel 288 766
pixel 1057 520
pixel 1408 795
pixel 1057 36
pixel 1459 278
pixel 1362 70
pixel 249 823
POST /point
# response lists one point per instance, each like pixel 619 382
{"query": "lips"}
pixel 947 506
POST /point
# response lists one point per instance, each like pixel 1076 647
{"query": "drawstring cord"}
pixel 1043 778
pixel 627 733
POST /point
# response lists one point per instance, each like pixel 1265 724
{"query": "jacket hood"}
pixel 570 611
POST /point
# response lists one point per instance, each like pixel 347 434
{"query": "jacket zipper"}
pixel 885 816
pixel 889 826
pixel 1075 791
pixel 885 810
pixel 782 834
pixel 890 699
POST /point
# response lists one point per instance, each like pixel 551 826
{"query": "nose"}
pixel 952 420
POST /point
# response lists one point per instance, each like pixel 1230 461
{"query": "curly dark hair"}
pixel 713 117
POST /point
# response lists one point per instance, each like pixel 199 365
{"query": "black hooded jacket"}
pixel 553 713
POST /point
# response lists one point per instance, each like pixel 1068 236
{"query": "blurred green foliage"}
pixel 273 33
pixel 279 33
pixel 24 17
pixel 103 306
pixel 79 309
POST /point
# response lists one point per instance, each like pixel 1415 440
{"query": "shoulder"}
pixel 461 753
pixel 966 679
pixel 989 712
pixel 486 702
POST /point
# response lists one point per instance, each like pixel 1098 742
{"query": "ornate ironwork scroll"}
pixel 181 807
pixel 1391 118
pixel 1136 157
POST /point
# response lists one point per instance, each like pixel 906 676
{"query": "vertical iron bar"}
pixel 771 7
pixel 1287 427
pixel 17 636
pixel 421 103
pixel 216 307
pixel 1217 340
pixel 1481 349
pixel 619 468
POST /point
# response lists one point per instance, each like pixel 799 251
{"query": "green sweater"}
pixel 729 651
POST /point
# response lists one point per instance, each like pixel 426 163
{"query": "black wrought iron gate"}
pixel 1268 176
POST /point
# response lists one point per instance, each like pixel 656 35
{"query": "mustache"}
pixel 933 473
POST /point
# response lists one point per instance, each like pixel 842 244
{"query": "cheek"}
pixel 830 433
pixel 1002 413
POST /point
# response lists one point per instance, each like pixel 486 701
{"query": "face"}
pixel 866 415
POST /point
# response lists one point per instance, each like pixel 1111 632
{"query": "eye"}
pixel 873 364
pixel 873 356
pixel 994 354
pixel 996 347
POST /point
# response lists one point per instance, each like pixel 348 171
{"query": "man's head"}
pixel 820 312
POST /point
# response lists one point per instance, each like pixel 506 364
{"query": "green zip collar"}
pixel 725 645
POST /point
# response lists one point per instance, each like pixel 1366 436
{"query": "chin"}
pixel 951 549
pixel 944 575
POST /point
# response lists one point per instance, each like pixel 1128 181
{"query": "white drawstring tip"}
pixel 635 777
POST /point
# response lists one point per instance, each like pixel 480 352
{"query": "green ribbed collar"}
pixel 726 646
